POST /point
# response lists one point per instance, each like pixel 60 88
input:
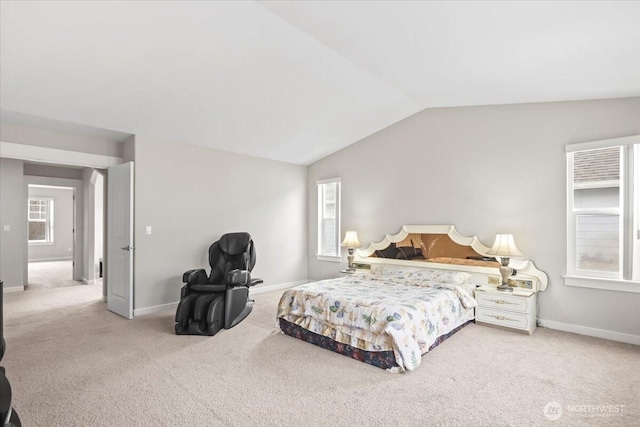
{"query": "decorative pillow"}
pixel 409 252
pixel 389 252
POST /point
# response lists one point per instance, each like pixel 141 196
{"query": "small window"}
pixel 329 220
pixel 603 196
pixel 40 212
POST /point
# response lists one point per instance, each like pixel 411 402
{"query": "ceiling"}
pixel 297 81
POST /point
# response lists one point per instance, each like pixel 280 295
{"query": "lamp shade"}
pixel 504 246
pixel 351 240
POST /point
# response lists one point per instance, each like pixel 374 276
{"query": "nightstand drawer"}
pixel 504 302
pixel 504 318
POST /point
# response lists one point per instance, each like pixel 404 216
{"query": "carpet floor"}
pixel 51 274
pixel 73 363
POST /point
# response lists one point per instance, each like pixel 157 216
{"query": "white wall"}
pixel 13 213
pixel 486 170
pixel 62 247
pixel 191 195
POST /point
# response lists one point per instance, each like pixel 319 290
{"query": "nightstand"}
pixel 513 310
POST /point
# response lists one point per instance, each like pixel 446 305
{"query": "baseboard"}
pixel 257 290
pixel 155 309
pixel 51 259
pixel 8 289
pixel 90 282
pixel 592 332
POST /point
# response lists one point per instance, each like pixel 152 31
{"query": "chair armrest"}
pixel 195 277
pixel 241 278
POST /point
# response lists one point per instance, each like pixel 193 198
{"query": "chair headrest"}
pixel 234 243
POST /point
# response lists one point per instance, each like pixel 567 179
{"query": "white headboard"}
pixel 526 269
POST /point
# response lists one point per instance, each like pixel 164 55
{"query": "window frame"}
pixel 48 220
pixel 628 277
pixel 321 254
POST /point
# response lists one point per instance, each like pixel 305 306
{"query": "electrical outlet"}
pixel 148 229
pixel 521 283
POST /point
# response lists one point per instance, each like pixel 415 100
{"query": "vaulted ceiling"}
pixel 296 81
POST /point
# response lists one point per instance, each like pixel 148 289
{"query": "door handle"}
pixel 128 248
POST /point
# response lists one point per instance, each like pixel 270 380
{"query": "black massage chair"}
pixel 208 304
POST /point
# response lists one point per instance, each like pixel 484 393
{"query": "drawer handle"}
pixel 502 318
pixel 501 301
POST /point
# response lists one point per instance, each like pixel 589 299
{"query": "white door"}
pixel 120 240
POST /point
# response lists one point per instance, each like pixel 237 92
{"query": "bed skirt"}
pixel 381 359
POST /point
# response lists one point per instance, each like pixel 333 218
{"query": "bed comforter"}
pixel 376 313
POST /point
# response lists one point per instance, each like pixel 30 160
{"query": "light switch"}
pixel 7 228
pixel 148 229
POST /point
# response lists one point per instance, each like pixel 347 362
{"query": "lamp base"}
pixel 350 260
pixel 505 272
pixel 505 288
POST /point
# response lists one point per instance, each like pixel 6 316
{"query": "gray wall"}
pixel 13 243
pixel 486 170
pixel 98 231
pixel 50 171
pixel 30 135
pixel 93 223
pixel 191 195
pixel 62 247
pixel 14 261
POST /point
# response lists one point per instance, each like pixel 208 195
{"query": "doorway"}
pixel 65 227
pixel 36 160
pixel 50 236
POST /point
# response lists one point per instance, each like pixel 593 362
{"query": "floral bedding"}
pixel 405 311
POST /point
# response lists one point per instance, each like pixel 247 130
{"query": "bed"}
pixel 412 291
pixel 387 318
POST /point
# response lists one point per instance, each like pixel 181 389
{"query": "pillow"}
pixel 409 252
pixel 388 252
pixel 394 271
pixel 422 275
pixel 450 277
pixel 440 276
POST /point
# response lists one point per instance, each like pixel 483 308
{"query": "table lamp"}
pixel 351 242
pixel 504 247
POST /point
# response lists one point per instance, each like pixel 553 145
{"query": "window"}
pixel 329 220
pixel 603 197
pixel 40 219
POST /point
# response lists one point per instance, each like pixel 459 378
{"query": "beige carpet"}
pixel 72 363
pixel 51 274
